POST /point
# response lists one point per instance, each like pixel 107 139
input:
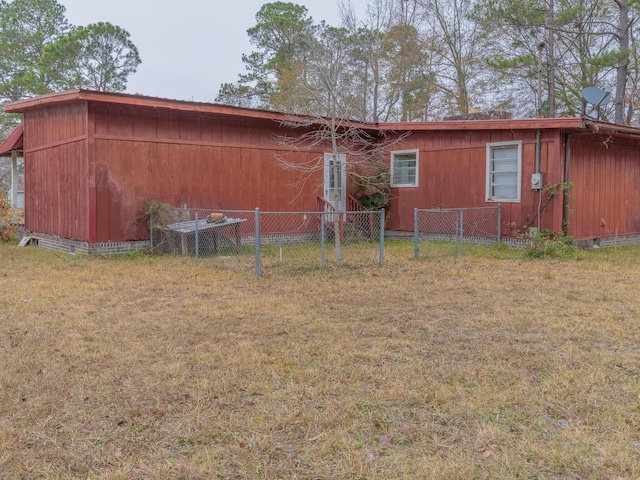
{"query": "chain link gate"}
pixel 299 240
pixel 479 226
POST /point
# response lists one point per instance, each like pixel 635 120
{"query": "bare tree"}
pixel 327 101
pixel 397 68
pixel 458 49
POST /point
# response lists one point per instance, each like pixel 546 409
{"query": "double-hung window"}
pixel 404 168
pixel 504 166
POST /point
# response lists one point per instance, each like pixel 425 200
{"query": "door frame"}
pixel 330 194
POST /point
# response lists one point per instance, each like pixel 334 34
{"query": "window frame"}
pixel 393 183
pixel 489 190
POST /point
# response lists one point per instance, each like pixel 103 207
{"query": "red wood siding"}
pixel 56 172
pixel 187 159
pixel 452 174
pixel 93 159
pixel 606 187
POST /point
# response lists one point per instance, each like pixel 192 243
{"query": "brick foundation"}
pixel 606 242
pixel 603 242
pixel 66 245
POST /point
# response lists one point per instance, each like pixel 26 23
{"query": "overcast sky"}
pixel 188 47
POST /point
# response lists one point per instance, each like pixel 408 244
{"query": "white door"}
pixel 335 180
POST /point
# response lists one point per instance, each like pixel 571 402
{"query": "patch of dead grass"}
pixel 160 367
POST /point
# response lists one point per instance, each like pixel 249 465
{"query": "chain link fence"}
pixel 478 226
pixel 297 241
pixel 268 241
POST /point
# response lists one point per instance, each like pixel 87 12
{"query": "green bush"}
pixel 550 244
pixel 8 227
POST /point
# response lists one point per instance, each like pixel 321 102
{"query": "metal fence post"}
pixel 461 227
pixel 197 239
pixel 151 230
pixel 382 236
pixel 257 242
pixel 499 224
pixel 416 234
pixel 322 239
pixel 455 242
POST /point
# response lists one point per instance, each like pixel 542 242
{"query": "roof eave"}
pixel 498 124
pixel 611 128
pixel 70 96
pixel 576 124
pixel 13 142
pixel 571 123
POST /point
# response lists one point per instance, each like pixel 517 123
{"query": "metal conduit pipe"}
pixel 565 199
pixel 537 171
pixel 538 148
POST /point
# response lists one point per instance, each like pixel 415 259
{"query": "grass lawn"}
pixel 496 367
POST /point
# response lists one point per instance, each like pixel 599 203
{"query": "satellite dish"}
pixel 596 96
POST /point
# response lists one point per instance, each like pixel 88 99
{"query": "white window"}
pixel 404 168
pixel 504 165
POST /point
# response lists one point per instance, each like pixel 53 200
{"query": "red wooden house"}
pixel 93 159
pixel 485 162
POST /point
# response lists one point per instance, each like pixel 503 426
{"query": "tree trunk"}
pixel 623 62
pixel 337 227
pixel 551 60
pixel 337 177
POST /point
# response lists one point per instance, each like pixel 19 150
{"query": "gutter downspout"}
pixel 538 147
pixel 565 197
pixel 537 171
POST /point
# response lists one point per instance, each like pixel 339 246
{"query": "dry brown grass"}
pixel 152 367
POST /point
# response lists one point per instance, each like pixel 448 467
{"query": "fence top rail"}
pixel 436 210
pixel 349 212
pixel 333 212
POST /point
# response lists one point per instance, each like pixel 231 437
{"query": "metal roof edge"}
pixel 135 100
pixel 498 124
pixel 610 128
pixel 564 123
pixel 13 141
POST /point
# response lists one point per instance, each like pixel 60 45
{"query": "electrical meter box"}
pixel 536 181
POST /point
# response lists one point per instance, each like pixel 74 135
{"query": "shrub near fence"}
pixel 479 226
pixel 272 240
